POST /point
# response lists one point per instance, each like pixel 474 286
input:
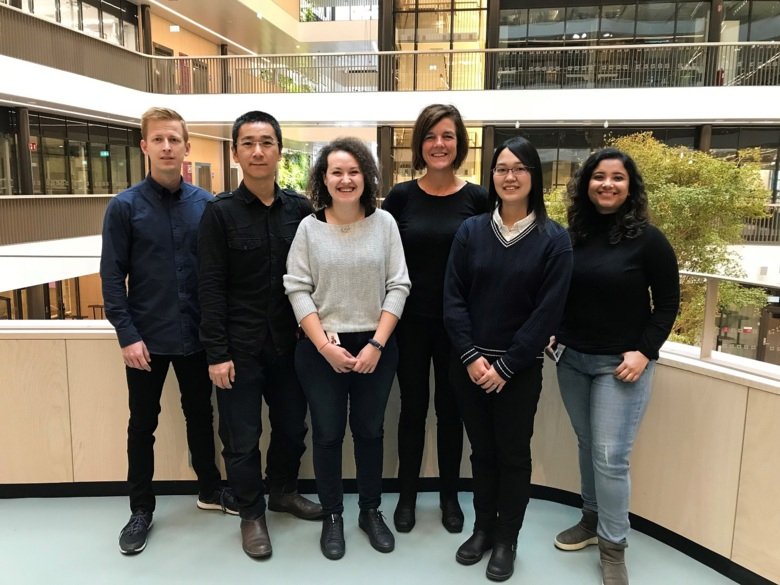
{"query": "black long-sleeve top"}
pixel 242 248
pixel 148 266
pixel 503 300
pixel 427 224
pixel 624 296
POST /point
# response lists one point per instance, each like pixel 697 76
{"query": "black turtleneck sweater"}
pixel 624 296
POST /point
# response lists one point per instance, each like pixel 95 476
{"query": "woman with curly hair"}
pixel 347 283
pixel 622 303
pixel 429 211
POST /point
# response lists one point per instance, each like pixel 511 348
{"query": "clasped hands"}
pixel 342 361
pixel 485 376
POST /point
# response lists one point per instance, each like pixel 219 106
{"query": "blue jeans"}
pixel 605 413
pixel 331 395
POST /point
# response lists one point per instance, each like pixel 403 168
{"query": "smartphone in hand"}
pixel 554 350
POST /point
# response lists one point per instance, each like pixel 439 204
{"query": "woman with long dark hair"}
pixel 623 301
pixel 429 211
pixel 347 283
pixel 506 283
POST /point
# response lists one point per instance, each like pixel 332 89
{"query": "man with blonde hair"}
pixel 148 269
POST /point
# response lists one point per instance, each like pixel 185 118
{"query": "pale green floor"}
pixel 74 541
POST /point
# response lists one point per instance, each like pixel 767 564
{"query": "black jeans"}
pixel 271 377
pixel 420 340
pixel 500 427
pixel 331 395
pixel 144 391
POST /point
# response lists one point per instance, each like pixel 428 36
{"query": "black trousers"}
pixel 145 390
pixel 420 341
pixel 500 427
pixel 271 377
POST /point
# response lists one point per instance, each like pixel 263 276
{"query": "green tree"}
pixel 701 204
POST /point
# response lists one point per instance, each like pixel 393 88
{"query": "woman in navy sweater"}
pixel 504 291
pixel 624 297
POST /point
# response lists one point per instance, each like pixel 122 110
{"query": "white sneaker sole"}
pixel 576 545
pixel 135 552
pixel 218 507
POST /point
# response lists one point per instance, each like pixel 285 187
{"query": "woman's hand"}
pixel 339 358
pixel 491 380
pixel 632 366
pixel 367 359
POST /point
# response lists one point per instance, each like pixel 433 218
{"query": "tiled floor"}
pixel 74 541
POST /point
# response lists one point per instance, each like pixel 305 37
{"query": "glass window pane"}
pixel 52 127
pixel 765 21
pixel 77 130
pixel 655 22
pixel 91 19
pixel 546 26
pixel 55 177
pixel 433 27
pixel 692 22
pixel 405 5
pixel 617 23
pixel 513 28
pixel 111 28
pixel 98 161
pixel 736 20
pixel 69 13
pixel 404 30
pixel 8 169
pixel 130 37
pixel 136 163
pixel 45 9
pixel 582 25
pixel 77 159
pixel 119 169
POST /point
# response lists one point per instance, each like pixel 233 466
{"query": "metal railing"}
pixel 764 349
pixel 669 65
pixel 764 230
pixel 32 218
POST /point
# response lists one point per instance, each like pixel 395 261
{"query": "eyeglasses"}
pixel 251 144
pixel 516 171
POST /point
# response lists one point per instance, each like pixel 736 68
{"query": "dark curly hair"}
pixel 631 218
pixel 318 191
pixel 427 119
pixel 527 154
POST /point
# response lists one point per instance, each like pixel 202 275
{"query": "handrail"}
pixel 600 66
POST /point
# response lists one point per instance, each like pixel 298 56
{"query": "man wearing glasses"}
pixel 249 330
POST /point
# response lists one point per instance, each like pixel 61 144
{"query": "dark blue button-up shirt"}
pixel 149 266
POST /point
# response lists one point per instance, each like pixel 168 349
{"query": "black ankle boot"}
pixel 502 562
pixel 332 537
pixel 403 517
pixel 451 514
pixel 471 551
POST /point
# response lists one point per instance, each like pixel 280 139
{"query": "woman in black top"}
pixel 622 303
pixel 429 211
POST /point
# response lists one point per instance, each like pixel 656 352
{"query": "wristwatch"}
pixel 376 344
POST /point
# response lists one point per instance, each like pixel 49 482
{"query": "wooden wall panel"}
pixel 758 506
pixel 99 410
pixel 685 466
pixel 34 417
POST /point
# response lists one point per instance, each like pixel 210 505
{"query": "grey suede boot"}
pixel 613 565
pixel 581 534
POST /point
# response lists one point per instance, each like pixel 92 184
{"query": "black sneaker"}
pixel 132 539
pixel 332 538
pixel 222 499
pixel 372 522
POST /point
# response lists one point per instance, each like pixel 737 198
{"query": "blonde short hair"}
pixel 163 114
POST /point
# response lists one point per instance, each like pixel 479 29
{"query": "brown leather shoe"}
pixel 295 504
pixel 255 539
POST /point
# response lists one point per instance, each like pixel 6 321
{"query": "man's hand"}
pixel 137 356
pixel 222 375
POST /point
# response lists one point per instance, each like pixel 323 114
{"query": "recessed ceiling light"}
pixel 174 28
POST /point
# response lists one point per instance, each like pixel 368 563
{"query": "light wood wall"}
pixel 706 464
